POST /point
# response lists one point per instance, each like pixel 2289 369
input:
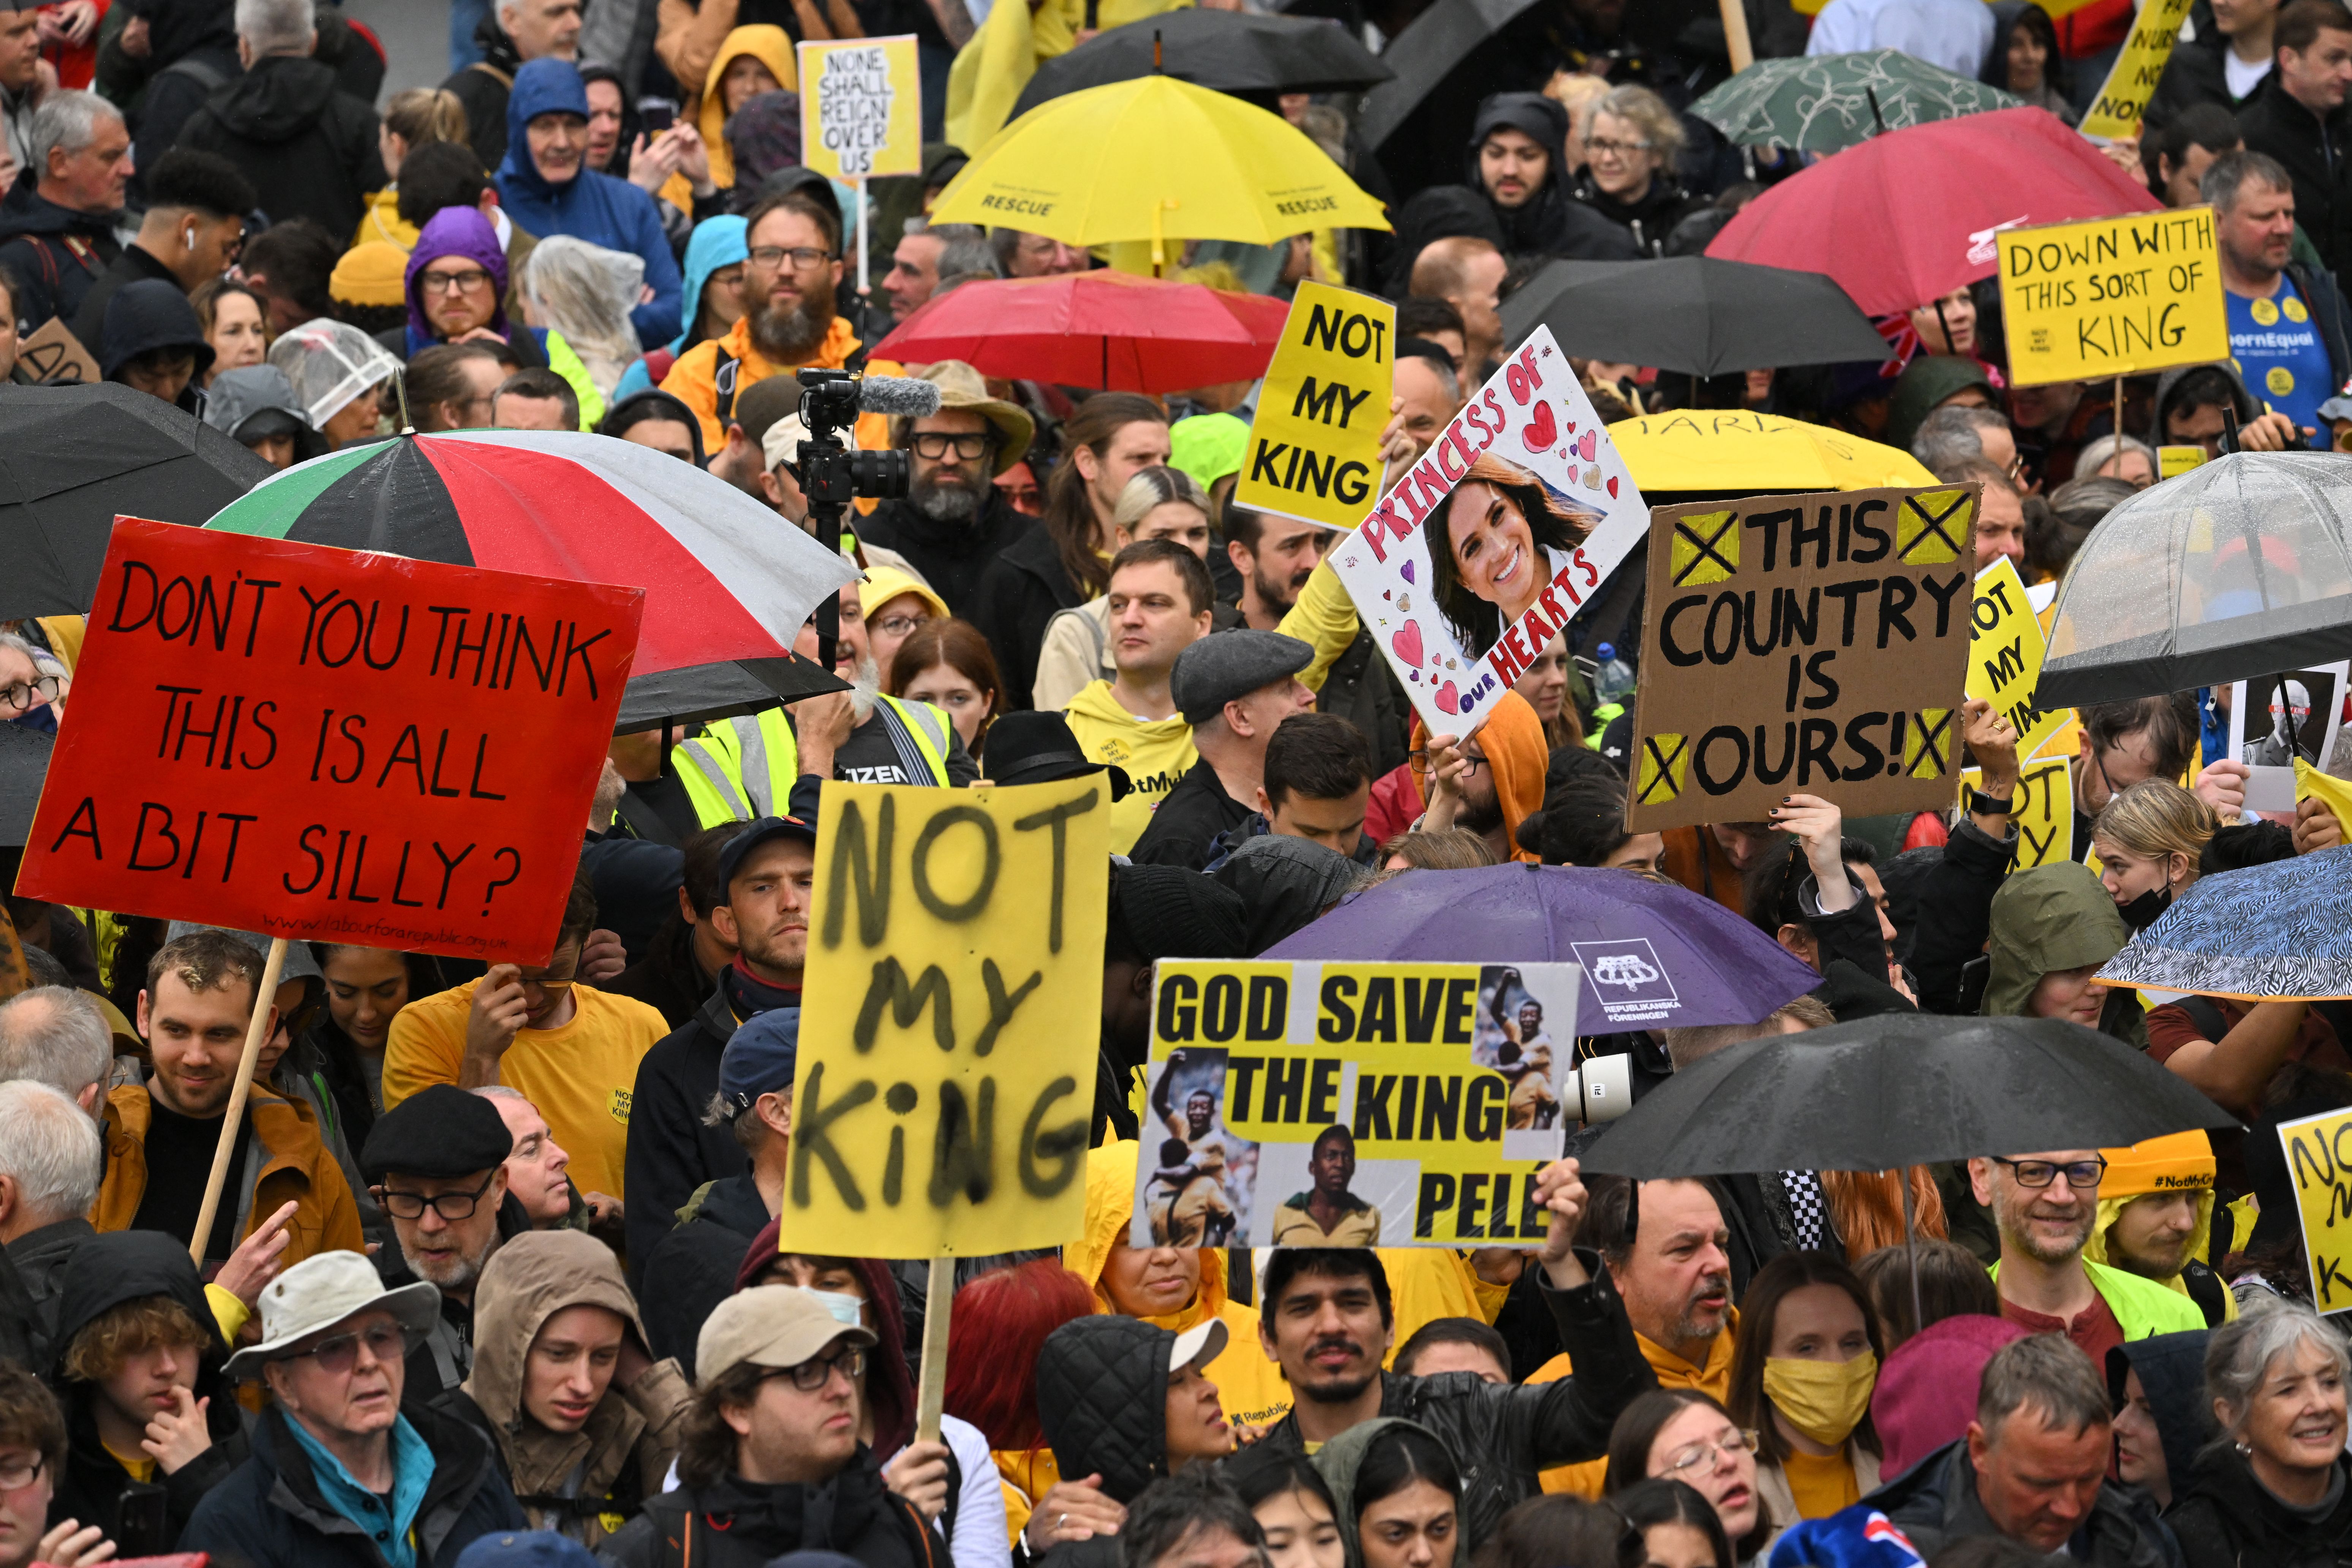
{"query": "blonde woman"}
pixel 2147 840
pixel 412 118
pixel 1631 146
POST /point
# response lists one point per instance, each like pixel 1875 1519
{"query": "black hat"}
pixel 1029 748
pixel 1171 912
pixel 756 832
pixel 1216 670
pixel 437 1132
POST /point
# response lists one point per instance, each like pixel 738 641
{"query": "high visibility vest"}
pixel 743 767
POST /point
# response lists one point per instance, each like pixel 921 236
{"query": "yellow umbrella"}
pixel 1156 160
pixel 1732 449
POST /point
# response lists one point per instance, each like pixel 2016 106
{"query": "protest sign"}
pixel 1314 442
pixel 1325 1104
pixel 55 357
pixel 2005 655
pixel 861 107
pixel 2279 719
pixel 2112 295
pixel 2131 81
pixel 1482 552
pixel 305 741
pixel 2044 811
pixel 2171 462
pixel 949 1021
pixel 1803 645
pixel 2319 1157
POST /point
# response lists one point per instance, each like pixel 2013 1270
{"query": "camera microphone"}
pixel 898 395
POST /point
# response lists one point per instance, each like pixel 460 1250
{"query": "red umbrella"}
pixel 1910 216
pixel 1112 331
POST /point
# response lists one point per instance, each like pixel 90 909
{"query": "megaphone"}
pixel 1601 1089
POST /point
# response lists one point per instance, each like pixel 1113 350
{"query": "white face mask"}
pixel 847 1311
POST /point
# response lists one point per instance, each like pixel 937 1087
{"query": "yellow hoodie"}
pixel 1155 752
pixel 1714 1380
pixel 2177 1163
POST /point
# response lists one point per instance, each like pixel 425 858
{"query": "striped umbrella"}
pixel 725 577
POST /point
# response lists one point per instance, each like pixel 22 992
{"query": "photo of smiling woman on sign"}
pixel 1484 546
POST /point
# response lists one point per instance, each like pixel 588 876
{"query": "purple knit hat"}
pixel 456 231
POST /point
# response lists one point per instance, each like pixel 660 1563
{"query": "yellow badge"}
pixel 2294 310
pixel 2265 314
pixel 617 1105
pixel 2278 380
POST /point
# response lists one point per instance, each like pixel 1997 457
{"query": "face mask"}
pixel 2141 912
pixel 1825 1400
pixel 846 1310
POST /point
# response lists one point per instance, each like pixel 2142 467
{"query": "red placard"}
pixel 331 744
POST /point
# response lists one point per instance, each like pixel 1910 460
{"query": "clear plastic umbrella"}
pixel 2237 569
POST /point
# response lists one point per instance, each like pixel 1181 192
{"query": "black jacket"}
pixel 1018 594
pixel 2226 1519
pixel 107 1271
pixel 484 86
pixel 1649 221
pixel 696 1263
pixel 2194 75
pixel 952 556
pixel 1503 1434
pixel 1549 223
pixel 670 1152
pixel 736 1523
pixel 1934 1502
pixel 271 1514
pixel 2171 1369
pixel 442 1360
pixel 2317 154
pixel 668 978
pixel 1102 1398
pixel 1185 830
pixel 55 253
pixel 133 266
pixel 176 92
pixel 38 1260
pixel 1362 689
pixel 309 148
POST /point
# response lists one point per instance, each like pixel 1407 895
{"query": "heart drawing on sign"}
pixel 1541 428
pixel 1405 571
pixel 1613 487
pixel 1407 643
pixel 1586 445
pixel 1449 699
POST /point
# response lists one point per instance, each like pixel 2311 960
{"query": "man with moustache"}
pixel 2044 1206
pixel 865 736
pixel 954 520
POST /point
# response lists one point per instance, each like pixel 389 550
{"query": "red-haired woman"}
pixel 1002 1322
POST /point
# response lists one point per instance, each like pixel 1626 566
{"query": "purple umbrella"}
pixel 1654 955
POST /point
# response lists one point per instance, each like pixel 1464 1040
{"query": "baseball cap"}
pixel 770 1325
pixel 756 832
pixel 760 1059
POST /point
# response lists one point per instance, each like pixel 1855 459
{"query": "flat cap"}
pixel 1216 669
pixel 437 1131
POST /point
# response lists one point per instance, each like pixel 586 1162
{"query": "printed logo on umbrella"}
pixel 1628 979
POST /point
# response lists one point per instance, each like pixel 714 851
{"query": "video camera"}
pixel 831 472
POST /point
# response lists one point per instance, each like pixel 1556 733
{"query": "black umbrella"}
pixel 1231 51
pixel 701 692
pixel 1692 313
pixel 24 764
pixel 1432 45
pixel 71 457
pixel 1899 1089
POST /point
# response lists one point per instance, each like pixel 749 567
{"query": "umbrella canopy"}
pixel 1692 313
pixel 1730 450
pixel 705 692
pixel 1901 1088
pixel 2280 932
pixel 24 764
pixel 1155 159
pixel 1822 103
pixel 1103 328
pixel 73 457
pixel 1654 955
pixel 725 577
pixel 1910 216
pixel 1231 51
pixel 2238 568
pixel 1432 45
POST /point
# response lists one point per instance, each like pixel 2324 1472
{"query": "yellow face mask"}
pixel 1825 1400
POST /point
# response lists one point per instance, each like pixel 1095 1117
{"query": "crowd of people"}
pixel 500 1277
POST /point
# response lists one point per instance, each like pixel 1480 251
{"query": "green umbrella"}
pixel 1822 103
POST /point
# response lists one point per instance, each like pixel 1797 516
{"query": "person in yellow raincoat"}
pixel 991 70
pixel 2155 1219
pixel 748 61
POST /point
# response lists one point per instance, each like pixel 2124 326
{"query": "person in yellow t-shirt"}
pixel 1161 602
pixel 1802 1379
pixel 570 1050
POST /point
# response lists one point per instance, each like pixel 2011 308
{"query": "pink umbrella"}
pixel 1111 331
pixel 1909 216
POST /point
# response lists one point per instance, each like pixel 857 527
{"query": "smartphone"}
pixel 656 114
pixel 142 1528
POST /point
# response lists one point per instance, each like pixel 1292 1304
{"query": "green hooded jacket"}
pixel 1925 383
pixel 1338 1460
pixel 2050 917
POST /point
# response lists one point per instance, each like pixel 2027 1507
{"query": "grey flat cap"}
pixel 1226 665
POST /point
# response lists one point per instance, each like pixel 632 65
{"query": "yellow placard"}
pixel 2005 655
pixel 861 107
pixel 2319 1157
pixel 2131 81
pixel 950 1018
pixel 1314 448
pixel 2112 295
pixel 2044 812
pixel 1356 1104
pixel 2171 462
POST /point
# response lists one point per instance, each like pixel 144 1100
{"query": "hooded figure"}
pixel 2176 1163
pixel 1926 383
pixel 463 232
pixel 1102 1398
pixel 99 1489
pixel 308 147
pixel 718 243
pixel 2051 918
pixel 2168 386
pixel 773 48
pixel 1339 1461
pixel 2171 1369
pixel 1286 883
pixel 256 402
pixel 1549 222
pixel 583 1484
pixel 587 205
pixel 148 316
pixel 1926 1392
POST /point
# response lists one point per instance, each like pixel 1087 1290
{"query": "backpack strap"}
pixel 504 78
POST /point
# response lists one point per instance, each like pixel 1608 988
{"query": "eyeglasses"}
pixel 295 1022
pixel 553 982
pixel 2082 1175
pixel 1735 1443
pixel 768 258
pixel 932 445
pixel 814 1372
pixel 19 1472
pixel 898 625
pixel 338 1353
pixel 1598 148
pixel 464 282
pixel 449 1205
pixel 33 693
pixel 1473 761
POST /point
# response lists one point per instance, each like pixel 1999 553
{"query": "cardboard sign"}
pixel 55 357
pixel 2319 1157
pixel 2005 655
pixel 1481 553
pixel 1318 1104
pixel 950 1025
pixel 2112 295
pixel 1803 645
pixel 2044 814
pixel 2171 462
pixel 861 107
pixel 2131 81
pixel 1314 443
pixel 311 742
pixel 2280 720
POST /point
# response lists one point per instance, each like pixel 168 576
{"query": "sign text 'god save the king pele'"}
pixel 304 741
pixel 1803 645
